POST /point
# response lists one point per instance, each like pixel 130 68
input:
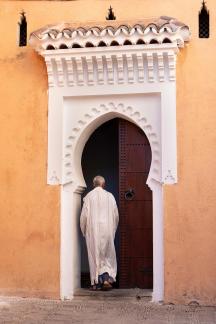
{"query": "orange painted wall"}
pixel 29 240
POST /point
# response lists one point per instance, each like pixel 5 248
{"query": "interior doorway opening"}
pixel 120 151
pixel 100 157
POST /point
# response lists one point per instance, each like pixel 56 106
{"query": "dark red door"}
pixel 135 206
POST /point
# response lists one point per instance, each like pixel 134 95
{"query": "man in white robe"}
pixel 98 221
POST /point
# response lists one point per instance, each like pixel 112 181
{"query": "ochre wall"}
pixel 30 208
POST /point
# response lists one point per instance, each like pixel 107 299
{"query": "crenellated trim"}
pixel 116 66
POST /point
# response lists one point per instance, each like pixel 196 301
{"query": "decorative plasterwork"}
pixel 112 33
pixel 126 111
pixel 90 85
pixel 81 67
pixel 95 71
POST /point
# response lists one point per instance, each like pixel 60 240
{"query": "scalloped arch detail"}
pixel 69 172
pixel 95 43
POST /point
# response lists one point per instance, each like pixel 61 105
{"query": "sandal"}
pixel 95 288
pixel 106 286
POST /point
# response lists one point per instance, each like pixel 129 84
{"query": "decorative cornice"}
pixel 146 31
pixel 155 63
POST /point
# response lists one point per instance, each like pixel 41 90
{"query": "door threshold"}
pixel 133 292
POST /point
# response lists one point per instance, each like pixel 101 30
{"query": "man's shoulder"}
pixel 91 193
pixel 111 196
pixel 107 193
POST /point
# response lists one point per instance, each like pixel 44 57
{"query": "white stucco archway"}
pixel 90 85
pixel 71 197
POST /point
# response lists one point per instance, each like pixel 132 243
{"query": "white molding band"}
pixel 91 85
pixel 119 65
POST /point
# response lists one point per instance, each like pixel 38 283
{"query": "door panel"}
pixel 135 247
pixel 143 273
pixel 135 206
pixel 134 216
pixel 134 135
pixel 137 181
pixel 142 154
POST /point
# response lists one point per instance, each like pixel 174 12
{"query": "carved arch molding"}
pixel 135 80
pixel 110 110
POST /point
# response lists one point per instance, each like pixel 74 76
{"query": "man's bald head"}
pixel 99 181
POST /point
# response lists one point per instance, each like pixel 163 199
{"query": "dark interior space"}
pixel 100 157
pixel 120 152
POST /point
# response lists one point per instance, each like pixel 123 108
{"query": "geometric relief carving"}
pixel 53 179
pixel 161 72
pixel 124 68
pixel 82 61
pixel 50 72
pixel 141 121
pixel 140 68
pixel 60 72
pixel 150 67
pixel 70 71
pixel 135 67
pixel 172 66
pixel 169 179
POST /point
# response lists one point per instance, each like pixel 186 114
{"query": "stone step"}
pixel 135 292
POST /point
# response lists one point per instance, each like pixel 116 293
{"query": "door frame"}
pixel 126 78
pixel 71 202
pixel 141 89
pixel 70 250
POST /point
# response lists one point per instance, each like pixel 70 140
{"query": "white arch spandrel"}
pixel 92 120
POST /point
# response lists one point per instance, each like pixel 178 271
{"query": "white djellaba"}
pixel 98 221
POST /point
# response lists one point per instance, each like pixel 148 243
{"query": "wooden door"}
pixel 135 206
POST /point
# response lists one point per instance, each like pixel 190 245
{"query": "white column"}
pixel 70 264
pixel 158 243
pixel 55 137
pixel 168 133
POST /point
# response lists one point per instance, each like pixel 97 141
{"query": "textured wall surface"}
pixel 30 209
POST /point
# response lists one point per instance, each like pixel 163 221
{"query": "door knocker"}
pixel 129 194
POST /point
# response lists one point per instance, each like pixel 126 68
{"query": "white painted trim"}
pixel 158 243
pixel 120 65
pixel 87 87
pixel 159 29
pixel 70 242
pixel 70 254
pixel 130 71
pixel 78 135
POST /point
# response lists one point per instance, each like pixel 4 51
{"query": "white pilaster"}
pixel 70 264
pixel 90 85
pixel 158 243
